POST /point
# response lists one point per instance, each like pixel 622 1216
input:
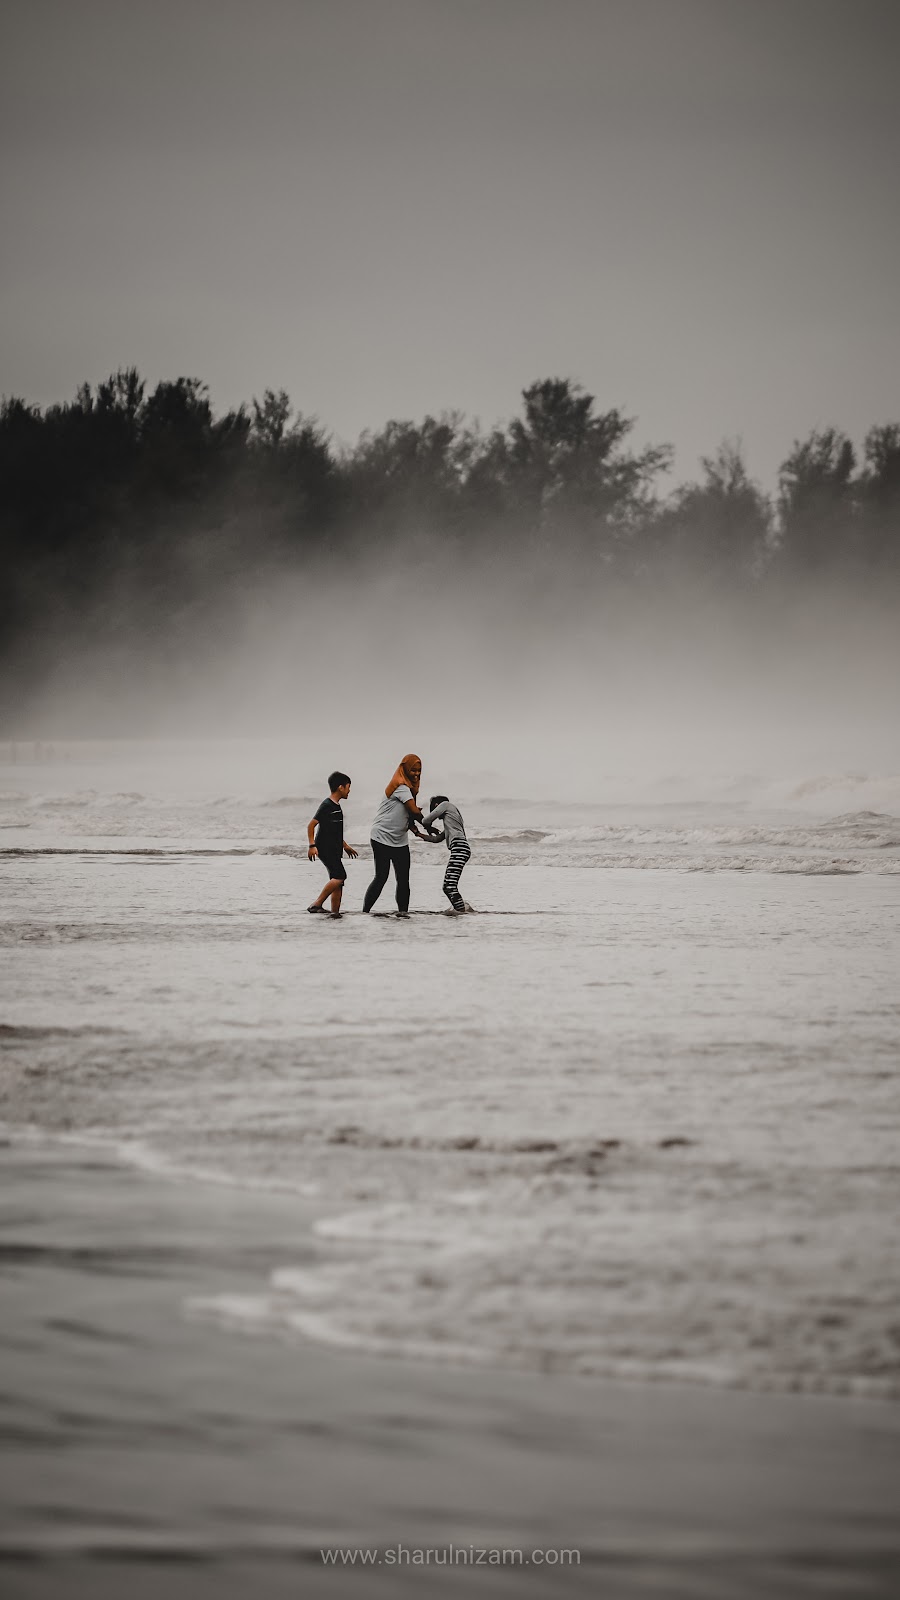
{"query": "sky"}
pixel 394 207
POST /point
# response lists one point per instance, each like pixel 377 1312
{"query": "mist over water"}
pixel 518 681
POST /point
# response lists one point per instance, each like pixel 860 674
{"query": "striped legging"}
pixel 459 855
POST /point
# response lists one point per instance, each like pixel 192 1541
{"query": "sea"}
pixel 635 1117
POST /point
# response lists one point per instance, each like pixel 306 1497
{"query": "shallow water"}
pixel 637 1117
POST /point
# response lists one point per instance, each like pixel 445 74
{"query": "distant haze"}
pixel 500 691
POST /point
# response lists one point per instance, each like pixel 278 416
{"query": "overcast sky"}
pixel 389 207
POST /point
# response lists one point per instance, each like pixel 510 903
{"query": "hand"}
pixel 350 851
pixel 311 853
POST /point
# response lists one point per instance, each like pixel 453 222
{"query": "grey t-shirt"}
pixel 392 819
pixel 454 827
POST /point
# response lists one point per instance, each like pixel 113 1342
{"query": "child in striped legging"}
pixel 454 836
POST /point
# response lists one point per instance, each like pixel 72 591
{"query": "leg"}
pixel 401 868
pixel 459 855
pixel 329 889
pixel 466 858
pixel 337 877
pixel 382 855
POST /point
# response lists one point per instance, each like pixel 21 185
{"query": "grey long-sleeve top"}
pixel 454 827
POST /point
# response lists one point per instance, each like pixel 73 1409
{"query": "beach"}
pixel 147 1450
pixel 567 1224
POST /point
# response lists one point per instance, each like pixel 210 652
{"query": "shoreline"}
pixel 137 1435
pixel 213 1311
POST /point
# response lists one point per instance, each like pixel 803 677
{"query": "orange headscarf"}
pixel 408 772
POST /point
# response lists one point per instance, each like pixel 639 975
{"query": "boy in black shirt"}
pixel 330 842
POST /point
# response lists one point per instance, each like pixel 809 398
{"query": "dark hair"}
pixel 335 779
pixel 436 800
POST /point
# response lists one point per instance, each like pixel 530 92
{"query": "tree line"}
pixel 128 505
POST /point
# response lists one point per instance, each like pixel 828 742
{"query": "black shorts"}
pixel 334 866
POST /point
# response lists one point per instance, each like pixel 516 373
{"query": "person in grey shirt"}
pixel 440 809
pixel 397 814
pixel 392 820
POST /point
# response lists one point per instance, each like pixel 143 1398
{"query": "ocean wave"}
pixel 12 1031
pixel 64 802
pixel 137 1153
pixel 561 1150
pixel 684 862
pixel 197 932
pixel 862 829
pixel 285 1309
pixel 146 1158
pixel 462 1279
pixel 518 836
pixel 287 800
pixel 582 849
pixel 79 799
pixel 129 850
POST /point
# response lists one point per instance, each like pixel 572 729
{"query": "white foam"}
pixel 276 1314
pixel 146 1158
pixel 308 1284
pixel 400 1224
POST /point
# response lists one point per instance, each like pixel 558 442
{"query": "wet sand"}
pixel 148 1453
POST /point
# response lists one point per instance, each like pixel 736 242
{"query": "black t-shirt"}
pixel 330 832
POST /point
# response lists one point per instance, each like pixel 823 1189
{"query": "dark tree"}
pixel 270 419
pixel 719 529
pixel 410 478
pixel 815 503
pixel 569 477
pixel 879 500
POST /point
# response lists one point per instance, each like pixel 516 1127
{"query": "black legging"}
pixel 387 856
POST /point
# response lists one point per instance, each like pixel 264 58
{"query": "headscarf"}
pixel 404 774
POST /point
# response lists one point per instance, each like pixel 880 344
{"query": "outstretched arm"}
pixel 414 823
pixel 434 816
